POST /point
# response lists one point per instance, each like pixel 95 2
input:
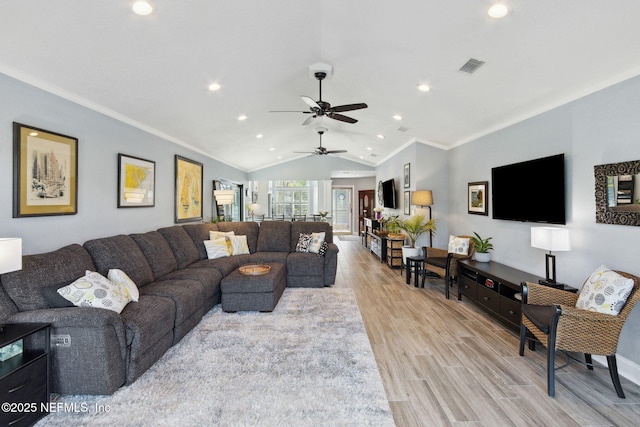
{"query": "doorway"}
pixel 342 210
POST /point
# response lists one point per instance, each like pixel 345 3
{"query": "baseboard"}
pixel 626 368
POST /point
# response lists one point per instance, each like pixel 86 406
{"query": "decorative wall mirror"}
pixel 618 193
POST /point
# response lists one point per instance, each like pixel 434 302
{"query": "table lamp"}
pixel 550 239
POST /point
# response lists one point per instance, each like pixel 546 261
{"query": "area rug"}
pixel 308 363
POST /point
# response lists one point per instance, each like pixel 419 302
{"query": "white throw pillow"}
pixel 119 277
pixel 459 245
pixel 316 242
pixel 217 248
pixel 238 244
pixel 605 291
pixel 213 235
pixel 95 290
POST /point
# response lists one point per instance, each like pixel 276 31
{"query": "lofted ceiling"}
pixel 154 71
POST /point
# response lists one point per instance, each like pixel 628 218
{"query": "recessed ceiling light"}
pixel 272 149
pixel 369 148
pixel 214 87
pixel 142 8
pixel 397 117
pixel 362 157
pixel 279 157
pixel 498 10
pixel 424 88
pixel 259 136
pixel 242 117
pixel 380 136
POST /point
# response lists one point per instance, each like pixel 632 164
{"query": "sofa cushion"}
pixel 308 227
pixel 305 264
pixel 317 239
pixel 121 279
pixel 157 251
pixel 123 253
pixel 605 291
pixel 199 233
pixel 61 266
pixel 304 240
pixel 275 236
pixel 184 250
pixel 223 265
pixel 218 248
pixel 209 278
pixel 53 298
pixel 247 228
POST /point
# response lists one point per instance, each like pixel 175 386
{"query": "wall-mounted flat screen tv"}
pixel 531 191
pixel 389 194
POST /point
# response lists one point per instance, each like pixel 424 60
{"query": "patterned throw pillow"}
pixel 119 277
pixel 605 291
pixel 238 244
pixel 95 290
pixel 316 242
pixel 304 241
pixel 213 235
pixel 323 249
pixel 217 248
pixel 459 245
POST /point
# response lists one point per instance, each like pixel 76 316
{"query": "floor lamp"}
pixel 424 198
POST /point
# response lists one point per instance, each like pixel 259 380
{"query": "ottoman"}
pixel 242 292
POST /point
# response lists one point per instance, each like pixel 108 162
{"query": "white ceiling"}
pixel 154 71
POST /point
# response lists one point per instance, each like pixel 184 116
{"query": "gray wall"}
pixel 100 138
pixel 308 167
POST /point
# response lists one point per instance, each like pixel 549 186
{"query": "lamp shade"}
pixel 224 197
pixel 10 254
pixel 422 198
pixel 550 238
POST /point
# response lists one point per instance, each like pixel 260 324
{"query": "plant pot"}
pixel 408 251
pixel 482 256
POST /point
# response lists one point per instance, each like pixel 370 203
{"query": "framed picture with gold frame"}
pixel 45 172
pixel 477 197
pixel 188 202
pixel 136 182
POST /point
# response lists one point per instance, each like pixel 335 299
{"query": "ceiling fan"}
pixel 321 108
pixel 321 151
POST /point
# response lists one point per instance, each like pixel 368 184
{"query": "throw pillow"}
pixel 53 298
pixel 217 248
pixel 213 235
pixel 95 290
pixel 459 245
pixel 238 244
pixel 120 278
pixel 323 249
pixel 316 242
pixel 304 241
pixel 605 291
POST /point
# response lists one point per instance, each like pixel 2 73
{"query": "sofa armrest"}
pixel 94 360
pixel 330 264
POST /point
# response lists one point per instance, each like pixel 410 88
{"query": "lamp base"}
pixel 551 284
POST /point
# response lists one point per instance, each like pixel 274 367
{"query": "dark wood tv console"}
pixel 496 288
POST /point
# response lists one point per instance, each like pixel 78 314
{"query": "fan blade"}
pixel 310 102
pixel 290 111
pixel 348 107
pixel 335 151
pixel 304 152
pixel 342 118
pixel 309 120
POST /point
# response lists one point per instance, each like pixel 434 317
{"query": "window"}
pixel 290 198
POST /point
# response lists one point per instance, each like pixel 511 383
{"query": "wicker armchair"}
pixel 444 264
pixel 571 329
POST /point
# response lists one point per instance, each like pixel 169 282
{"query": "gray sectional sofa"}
pixel 178 284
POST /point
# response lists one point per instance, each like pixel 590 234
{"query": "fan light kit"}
pixel 321 151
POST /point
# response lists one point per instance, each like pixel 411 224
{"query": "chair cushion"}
pixel 540 315
pixel 438 262
pixel 459 245
pixel 605 291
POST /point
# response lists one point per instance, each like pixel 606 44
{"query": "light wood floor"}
pixel 447 363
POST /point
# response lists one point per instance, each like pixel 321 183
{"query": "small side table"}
pixel 417 262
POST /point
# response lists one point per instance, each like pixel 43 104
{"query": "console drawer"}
pixel 510 310
pixel 468 287
pixel 489 299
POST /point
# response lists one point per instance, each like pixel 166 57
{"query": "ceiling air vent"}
pixel 472 65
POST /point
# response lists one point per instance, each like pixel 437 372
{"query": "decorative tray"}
pixel 254 269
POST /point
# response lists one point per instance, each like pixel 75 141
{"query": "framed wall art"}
pixel 188 202
pixel 407 175
pixel 407 202
pixel 45 172
pixel 477 199
pixel 136 182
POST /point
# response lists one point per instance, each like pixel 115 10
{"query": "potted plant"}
pixel 482 248
pixel 414 227
pixel 392 225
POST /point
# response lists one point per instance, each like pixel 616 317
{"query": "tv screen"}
pixel 532 191
pixel 389 194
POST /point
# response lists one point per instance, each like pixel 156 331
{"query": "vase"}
pixel 482 256
pixel 408 251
